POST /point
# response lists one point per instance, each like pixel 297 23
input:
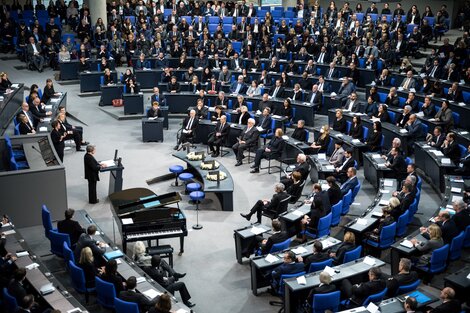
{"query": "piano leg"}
pixel 124 246
pixel 181 245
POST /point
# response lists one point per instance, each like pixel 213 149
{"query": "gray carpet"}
pixel 216 281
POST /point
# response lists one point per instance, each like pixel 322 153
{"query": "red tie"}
pixel 213 87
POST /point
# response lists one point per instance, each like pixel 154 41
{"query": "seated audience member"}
pixel 243 116
pixel 337 157
pixel 238 87
pixel 448 227
pixel 70 227
pixel 265 244
pixel 201 109
pixel 462 214
pixel 340 171
pixel 404 116
pixel 351 182
pixel 415 129
pixel 264 121
pixel 130 295
pixel 436 139
pixel 69 133
pixel 217 114
pixel 249 139
pixel 301 166
pixel 396 143
pixel 15 287
pixel 163 305
pixel 24 127
pixel 217 138
pixel 425 249
pixel 86 263
pixel 397 164
pixel 68 126
pixel 289 266
pixel 359 292
pixel 410 305
pixel 140 255
pixel 173 85
pixel 348 244
pixel 167 277
pixel 111 275
pixel 326 286
pixel 382 114
pixel 295 189
pixel 352 104
pixel 27 304
pixel 317 256
pixel 411 171
pixel 131 87
pixel 272 150
pixel 464 164
pixel 190 123
pixel 321 144
pixel 273 205
pixel 300 133
pixel 444 115
pixel 385 220
pixel 155 110
pixel 339 124
pixel 356 128
pixel 83 65
pixel 87 240
pixel 428 107
pixel 310 221
pixel 449 304
pixel 334 191
pixel 406 197
pixel 57 138
pixel 374 140
pixel 404 277
pixel 451 149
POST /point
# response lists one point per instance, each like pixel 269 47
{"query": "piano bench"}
pixel 165 251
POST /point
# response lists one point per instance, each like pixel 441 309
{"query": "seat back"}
pixel 121 306
pixel 9 302
pixel 346 202
pixel 375 297
pixel 365 133
pixel 392 116
pixel 295 196
pixel 320 266
pixel 408 161
pixel 283 205
pixel 78 277
pixel 408 288
pixel 46 220
pixel 57 242
pixel 328 301
pixel 438 260
pixel 355 190
pixel 413 208
pixel 336 213
pixel 387 235
pixel 352 255
pixel 105 293
pixel 324 225
pixel 463 150
pixel 280 246
pixel 348 126
pixel 456 245
pixel 466 241
pixel 17 129
pixel 67 253
pixel 281 289
pixel 402 223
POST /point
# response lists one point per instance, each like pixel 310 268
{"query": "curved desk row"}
pixel 69 70
pixel 222 189
pixel 375 169
pixel 9 106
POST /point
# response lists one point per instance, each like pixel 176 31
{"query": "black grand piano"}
pixel 142 215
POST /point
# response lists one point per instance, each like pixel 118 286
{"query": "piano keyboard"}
pixel 154 234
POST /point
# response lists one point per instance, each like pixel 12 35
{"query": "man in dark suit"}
pixel 448 227
pixel 384 79
pixel 271 151
pixel 213 87
pixel 248 140
pixel 331 72
pixel 288 267
pixel 300 133
pixel 265 244
pixel 130 295
pixel 449 304
pixel 92 169
pixel 462 214
pixel 15 287
pixel 87 240
pixel 451 149
pixel 455 93
pixel 265 103
pixel 464 164
pixel 26 304
pixel 435 71
pixel 221 100
pixel 25 111
pixel 317 256
pixel 352 104
pixel 190 124
pixel 415 129
pixel 404 277
pixel 167 277
pixel 359 292
pixel 277 91
pixel 268 205
pixel 315 96
pixel 397 164
pixel 406 197
pixel 404 117
pixel 71 227
pixel 33 50
pixel 238 87
pixel 340 172
pixel 157 96
pixel 301 166
pixel 437 138
pixel 217 138
pixel 264 121
pixel 351 182
pixel 38 112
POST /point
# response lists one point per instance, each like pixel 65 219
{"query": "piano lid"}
pixel 136 199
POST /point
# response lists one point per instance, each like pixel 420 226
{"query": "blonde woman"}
pixel 322 142
pixel 349 243
pixel 64 54
pixel 254 89
pixel 244 115
pixel 87 264
pixel 140 255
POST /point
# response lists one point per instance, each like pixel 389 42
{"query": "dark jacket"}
pixel 72 228
pixel 449 230
pixel 315 258
pixel 114 279
pixel 300 134
pixel 92 167
pixel 86 241
pixel 361 292
pixel 142 301
pixel 400 280
pixel 340 125
pixel 451 306
pixel 275 238
pixel 334 193
pixel 341 250
pixel 452 152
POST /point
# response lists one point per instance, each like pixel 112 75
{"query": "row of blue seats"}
pixel 16 157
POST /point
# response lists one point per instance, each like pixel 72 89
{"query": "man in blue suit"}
pixel 351 182
pixel 290 266
pixel 238 87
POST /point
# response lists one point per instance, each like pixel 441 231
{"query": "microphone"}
pixel 36 149
pixel 88 218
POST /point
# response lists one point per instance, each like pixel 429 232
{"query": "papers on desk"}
pixel 127 221
pixel 48 107
pixel 325 187
pixel 432 119
pixel 339 135
pixel 43 129
pixel 464 132
pixel 46 119
pixel 321 156
pixel 152 118
pixel 377 214
pixel 426 146
pixel 362 221
pixel 21 254
pixel 140 280
pixel 32 266
pixel 257 230
pixel 53 100
pixel 151 293
pixel 462 104
pixel 369 261
pixel 47 289
pixel 456 190
pixel 108 163
pixel 260 129
pixel 406 243
pixel 330 167
pixel 119 261
pixel 298 213
pixel 15 85
pixel 329 242
pixel 329 270
pixel 181 311
pixel 436 152
pixel 456 198
pixel 285 137
pixel 299 250
pixel 355 141
pixel 76 310
pixel 400 88
pixel 333 94
pixel 301 280
pixel 376 156
pixel 9 232
pixel 457 180
pixel 271 258
pixel 420 114
pixel 403 131
pixel 468 276
pixel 384 191
pixel 383 202
pixel 372 308
pixel 382 165
pixel 388 183
pixel 445 161
pixel 276 116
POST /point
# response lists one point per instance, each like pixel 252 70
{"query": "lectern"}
pixel 115 176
